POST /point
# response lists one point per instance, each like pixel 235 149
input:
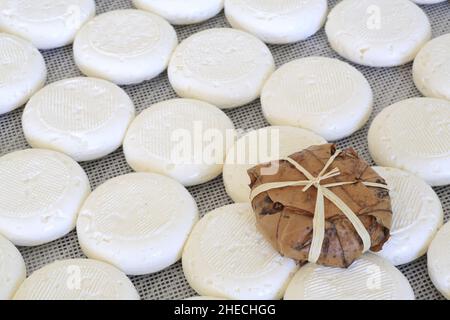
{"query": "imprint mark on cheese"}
pixel 29 186
pixel 124 36
pixel 353 283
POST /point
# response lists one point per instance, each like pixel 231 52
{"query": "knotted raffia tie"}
pixel 323 191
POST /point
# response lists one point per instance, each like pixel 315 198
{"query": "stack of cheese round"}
pixel 85 118
pixel 368 278
pixel 414 135
pixel 124 46
pixel 47 24
pixel 416 216
pixel 324 95
pixel 431 69
pixel 260 146
pixel 226 256
pixel 439 260
pixel 181 12
pixel 41 192
pixel 222 66
pixel 12 269
pixel 22 72
pixel 277 22
pixel 138 222
pixel 77 279
pixel 181 138
pixel 377 33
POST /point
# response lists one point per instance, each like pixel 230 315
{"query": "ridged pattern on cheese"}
pixel 368 278
pixel 414 135
pixel 85 118
pixel 226 256
pixel 125 46
pixel 12 269
pixel 181 12
pixel 22 72
pixel 277 22
pixel 377 33
pixel 259 146
pixel 221 66
pixel 417 215
pixel 137 222
pixel 431 69
pixel 224 251
pixel 324 95
pixel 77 279
pixel 41 192
pixel 439 260
pixel 47 24
pixel 155 135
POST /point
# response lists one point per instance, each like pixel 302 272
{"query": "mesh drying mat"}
pixel 389 85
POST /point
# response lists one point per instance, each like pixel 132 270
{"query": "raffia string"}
pixel 323 191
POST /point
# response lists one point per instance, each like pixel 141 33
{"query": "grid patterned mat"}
pixel 389 86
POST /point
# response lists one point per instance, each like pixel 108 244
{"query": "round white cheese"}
pixel 414 135
pixel 226 256
pixel 47 24
pixel 368 278
pixel 138 222
pixel 41 192
pixel 12 269
pixel 124 46
pixel 77 279
pixel 182 138
pixel 85 118
pixel 324 95
pixel 277 22
pixel 223 66
pixel 439 260
pixel 181 12
pixel 260 146
pixel 431 69
pixel 416 216
pixel 377 33
pixel 22 72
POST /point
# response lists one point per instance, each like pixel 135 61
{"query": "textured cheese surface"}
pixel 41 192
pixel 260 146
pixel 414 135
pixel 77 279
pixel 439 260
pixel 173 138
pixel 431 69
pixel 85 118
pixel 368 278
pixel 138 222
pixel 377 33
pixel 12 269
pixel 226 256
pixel 22 72
pixel 47 24
pixel 181 12
pixel 222 66
pixel 277 22
pixel 417 215
pixel 324 95
pixel 124 46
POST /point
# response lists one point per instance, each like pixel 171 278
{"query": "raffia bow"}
pixel 323 191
